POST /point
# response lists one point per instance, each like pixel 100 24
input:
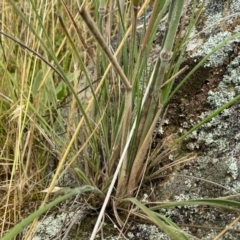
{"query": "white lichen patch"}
pixel 51 226
pixel 233 167
pixel 211 22
pixel 234 6
pixel 217 99
pixel 219 56
pixel 216 28
pixel 215 134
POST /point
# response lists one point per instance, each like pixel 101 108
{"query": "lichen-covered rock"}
pixel 216 171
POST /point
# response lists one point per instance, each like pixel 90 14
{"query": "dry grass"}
pixel 29 117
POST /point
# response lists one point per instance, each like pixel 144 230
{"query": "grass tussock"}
pixel 78 95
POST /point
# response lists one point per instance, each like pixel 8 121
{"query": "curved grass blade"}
pixel 155 219
pixel 219 203
pixel 25 222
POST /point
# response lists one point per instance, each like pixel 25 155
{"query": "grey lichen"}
pixel 217 99
pixel 218 19
pixel 144 232
pixel 53 225
pixel 212 23
pixel 215 134
pixel 218 57
pixel 213 7
pixel 234 6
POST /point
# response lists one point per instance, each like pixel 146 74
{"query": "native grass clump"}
pixel 79 95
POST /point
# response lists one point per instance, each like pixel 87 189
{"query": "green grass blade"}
pixel 219 203
pixel 208 118
pixel 82 176
pixel 171 223
pixel 155 219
